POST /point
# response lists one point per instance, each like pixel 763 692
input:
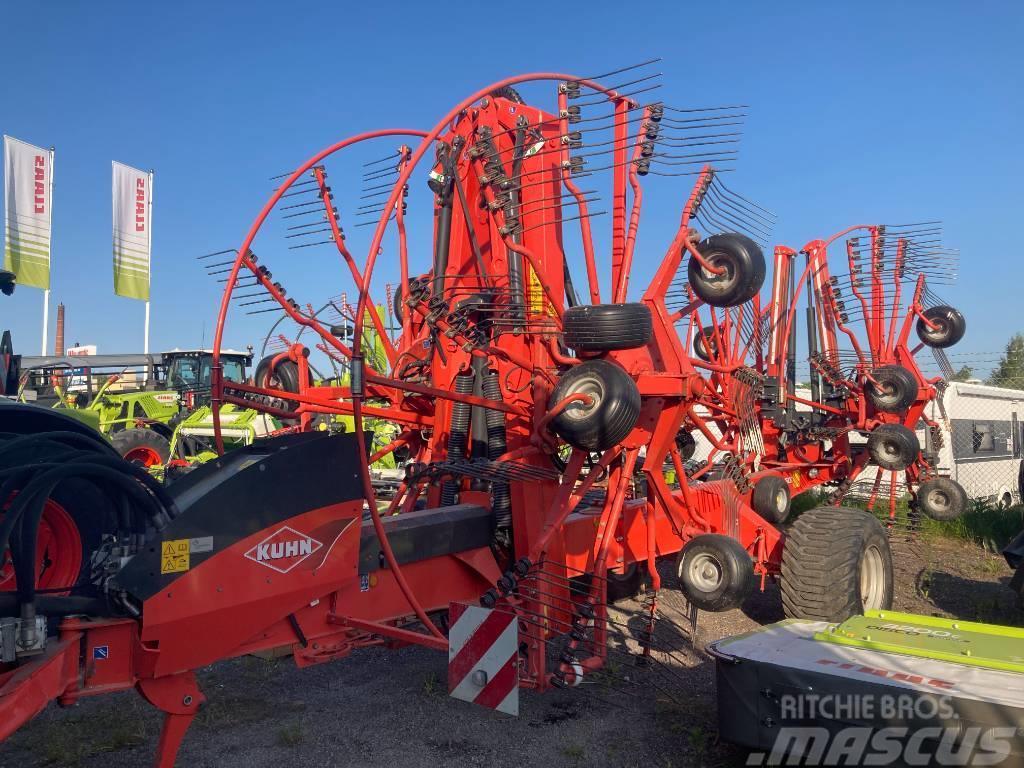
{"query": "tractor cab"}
pixel 189 372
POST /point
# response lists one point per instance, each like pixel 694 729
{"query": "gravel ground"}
pixel 390 709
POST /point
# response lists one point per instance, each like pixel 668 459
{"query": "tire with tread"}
pixel 942 499
pixel 771 498
pixel 893 446
pixel 824 559
pixel 715 572
pixel 706 352
pixel 743 261
pixel 141 445
pixel 896 389
pixel 606 327
pixel 611 415
pixel 951 327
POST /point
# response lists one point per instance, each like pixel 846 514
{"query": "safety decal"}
pixel 174 556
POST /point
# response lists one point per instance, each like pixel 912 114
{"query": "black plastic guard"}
pixel 246 491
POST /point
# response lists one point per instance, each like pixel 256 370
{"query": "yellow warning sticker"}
pixel 174 556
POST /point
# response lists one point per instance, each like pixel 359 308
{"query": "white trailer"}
pixel 981 440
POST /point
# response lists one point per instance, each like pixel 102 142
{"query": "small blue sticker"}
pixel 101 652
pixel 364 582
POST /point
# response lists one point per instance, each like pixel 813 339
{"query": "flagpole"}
pixel 49 267
pixel 149 233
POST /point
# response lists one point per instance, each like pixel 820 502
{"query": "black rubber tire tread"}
pixel 141 437
pixel 687 445
pixel 956 493
pixel 622 586
pixel 762 500
pixel 954 326
pixel 611 420
pixel 821 561
pixel 93 515
pixel 904 388
pixel 606 327
pixel 398 305
pixel 709 352
pixel 508 92
pixel 738 570
pixel 902 438
pixel 747 261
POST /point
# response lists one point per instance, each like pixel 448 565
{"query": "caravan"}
pixel 980 427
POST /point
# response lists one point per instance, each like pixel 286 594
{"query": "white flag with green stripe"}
pixel 132 211
pixel 27 220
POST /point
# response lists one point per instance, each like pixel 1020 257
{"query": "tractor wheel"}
pixel 836 563
pixel 606 327
pixel 744 266
pixel 771 499
pixel 715 572
pixel 950 327
pixel 611 415
pixel 706 352
pixel 687 446
pixel 141 446
pixel 894 390
pixel 893 446
pixel 942 499
pixel 75 517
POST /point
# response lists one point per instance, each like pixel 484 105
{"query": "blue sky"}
pixel 858 112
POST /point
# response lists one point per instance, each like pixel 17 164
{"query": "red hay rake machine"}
pixel 541 397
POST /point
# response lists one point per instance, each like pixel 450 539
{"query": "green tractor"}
pixel 139 406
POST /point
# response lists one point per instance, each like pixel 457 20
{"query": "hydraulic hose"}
pixel 501 496
pixel 458 435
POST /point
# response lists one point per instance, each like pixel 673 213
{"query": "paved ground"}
pixel 377 709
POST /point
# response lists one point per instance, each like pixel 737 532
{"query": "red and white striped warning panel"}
pixel 483 657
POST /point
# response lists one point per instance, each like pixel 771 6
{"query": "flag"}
pixel 132 190
pixel 27 192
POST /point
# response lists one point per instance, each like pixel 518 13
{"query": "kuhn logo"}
pixel 284 549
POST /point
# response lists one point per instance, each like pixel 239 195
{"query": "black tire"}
pixel 285 377
pixel 715 572
pixel 707 352
pixel 942 499
pixel 687 445
pixel 836 563
pixel 893 446
pixel 398 305
pixel 951 327
pixel 508 92
pixel 745 269
pixel 623 586
pixel 618 586
pixel 612 415
pixel 771 498
pixel 141 446
pixel 93 516
pixel 606 327
pixel 896 389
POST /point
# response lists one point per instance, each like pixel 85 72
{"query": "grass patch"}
pixel 70 740
pixel 983 524
pixel 431 685
pixel 992 527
